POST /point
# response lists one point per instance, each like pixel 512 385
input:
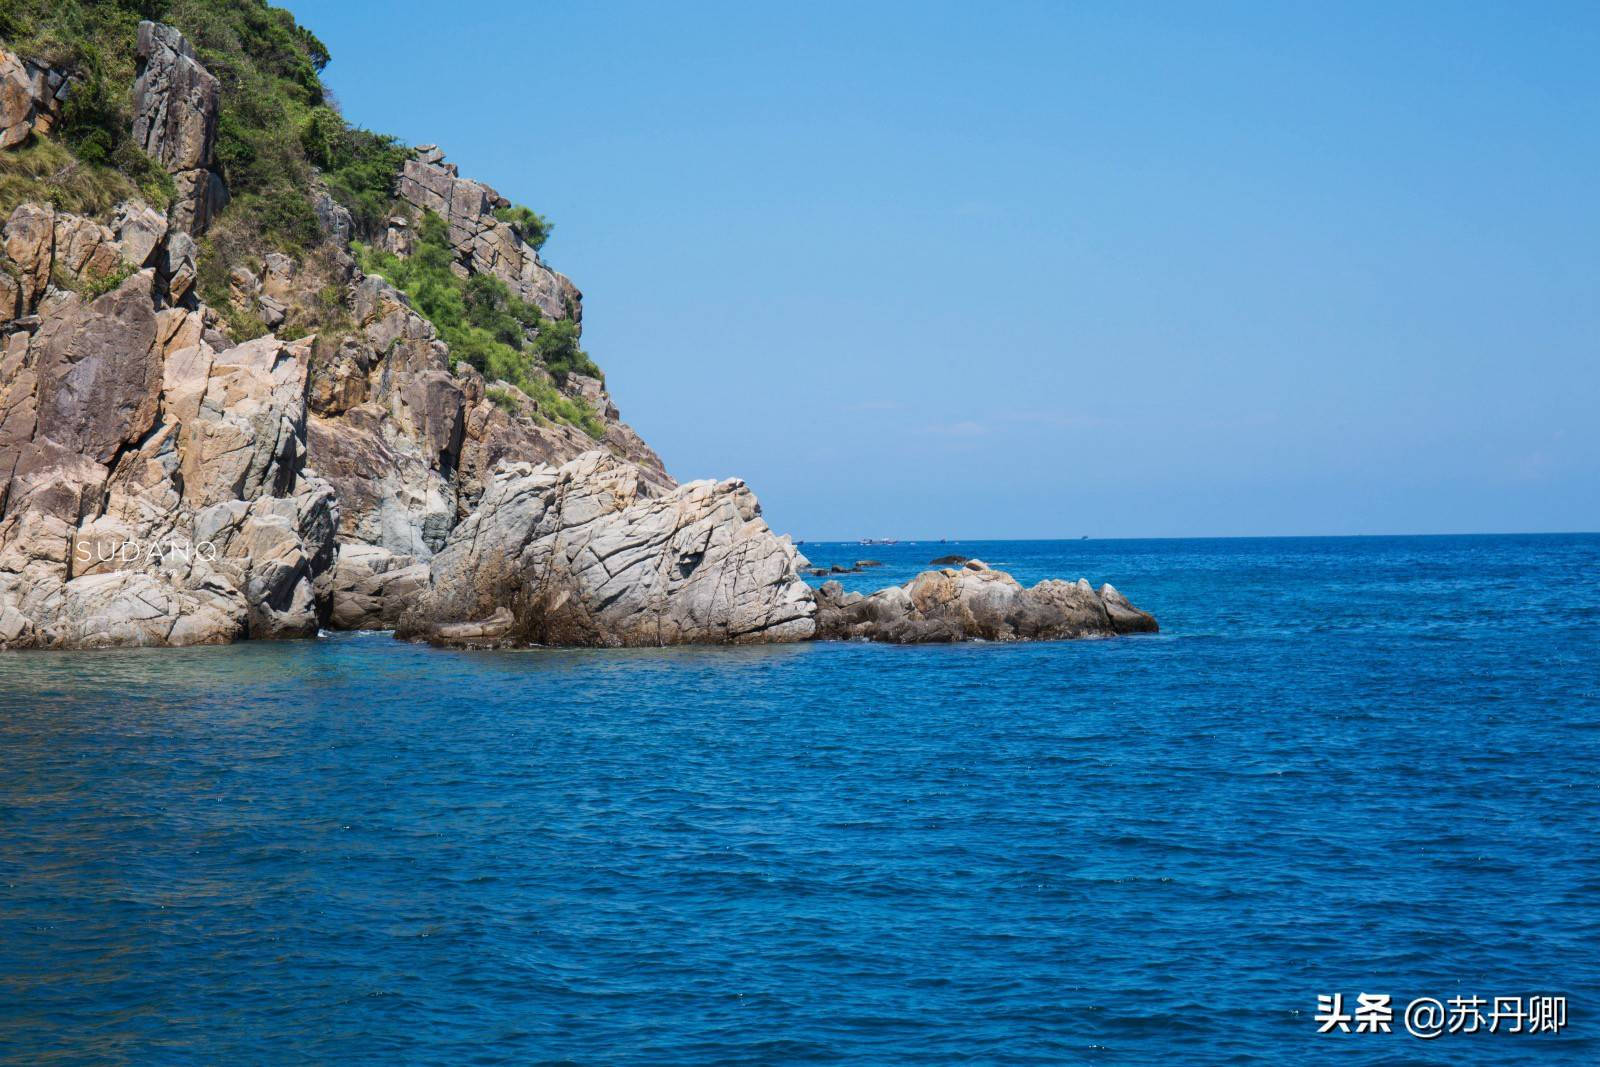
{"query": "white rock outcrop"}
pixel 581 555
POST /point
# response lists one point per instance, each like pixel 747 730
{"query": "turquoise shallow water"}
pixel 1345 765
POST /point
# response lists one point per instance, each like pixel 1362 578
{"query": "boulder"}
pixel 333 218
pixel 371 587
pixel 84 249
pixel 975 602
pixel 45 247
pixel 30 247
pixel 139 230
pixel 580 555
pixel 177 264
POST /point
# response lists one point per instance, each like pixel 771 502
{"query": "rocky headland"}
pixel 216 425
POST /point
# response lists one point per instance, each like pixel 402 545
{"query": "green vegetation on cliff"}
pixel 277 131
pixel 486 325
pixel 274 125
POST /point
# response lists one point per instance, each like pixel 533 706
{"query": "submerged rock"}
pixel 582 554
pixel 976 603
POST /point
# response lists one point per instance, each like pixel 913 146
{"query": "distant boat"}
pixel 877 541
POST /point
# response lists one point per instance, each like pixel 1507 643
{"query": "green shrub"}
pixel 557 345
pixel 487 326
pixel 528 224
pixel 362 174
pixel 94 285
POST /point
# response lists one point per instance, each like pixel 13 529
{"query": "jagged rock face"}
pixel 578 555
pixel 31 96
pixel 42 246
pixel 410 445
pixel 333 218
pixel 387 426
pixel 976 603
pixel 371 587
pixel 483 244
pixel 152 488
pixel 175 103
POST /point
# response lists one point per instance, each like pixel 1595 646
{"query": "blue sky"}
pixel 1040 270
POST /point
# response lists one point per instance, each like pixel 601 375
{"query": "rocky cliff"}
pixel 344 391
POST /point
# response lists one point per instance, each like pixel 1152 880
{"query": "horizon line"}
pixel 1200 537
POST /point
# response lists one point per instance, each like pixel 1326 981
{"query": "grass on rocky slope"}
pixel 45 170
pixel 276 123
pixel 271 97
pixel 487 326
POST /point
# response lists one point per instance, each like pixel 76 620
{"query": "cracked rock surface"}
pixel 31 97
pixel 175 102
pixel 152 488
pixel 579 555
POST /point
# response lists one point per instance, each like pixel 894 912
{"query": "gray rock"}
pixel 371 587
pixel 176 263
pixel 975 603
pixel 411 444
pixel 272 310
pixel 30 247
pixel 31 97
pixel 175 102
pixel 139 230
pixel 333 218
pixel 579 555
pixel 482 243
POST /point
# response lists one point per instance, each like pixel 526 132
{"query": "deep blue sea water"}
pixel 1345 765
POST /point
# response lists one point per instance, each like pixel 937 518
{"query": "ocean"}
pixel 1345 766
